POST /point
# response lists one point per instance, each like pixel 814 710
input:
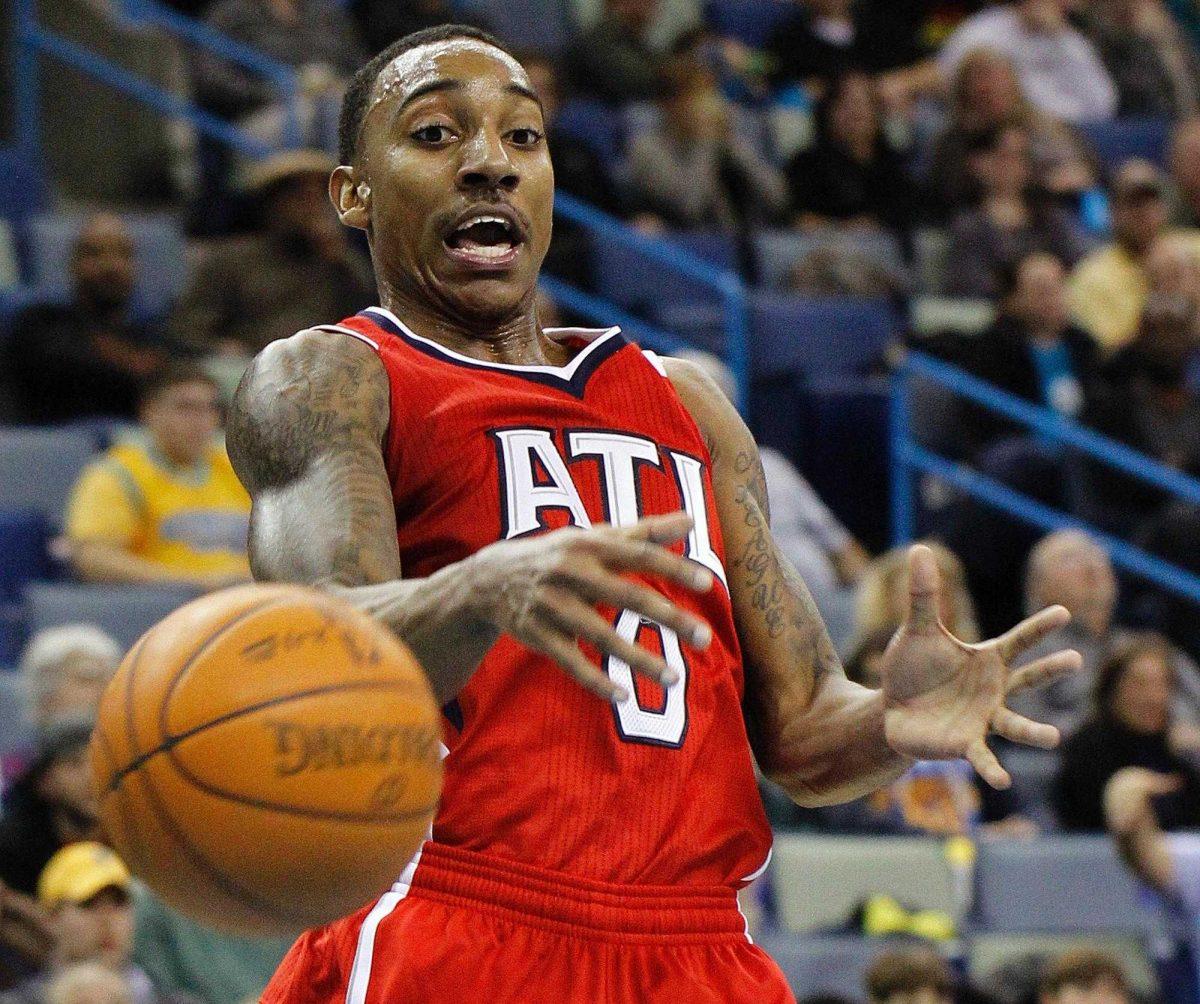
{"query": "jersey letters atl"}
pixel 660 789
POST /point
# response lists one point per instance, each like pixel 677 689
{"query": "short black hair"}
pixel 354 104
pixel 174 374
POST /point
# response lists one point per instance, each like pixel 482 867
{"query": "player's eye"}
pixel 525 137
pixel 434 135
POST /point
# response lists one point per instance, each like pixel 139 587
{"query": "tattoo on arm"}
pixel 776 590
pixel 305 437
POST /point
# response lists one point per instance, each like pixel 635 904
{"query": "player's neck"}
pixel 518 341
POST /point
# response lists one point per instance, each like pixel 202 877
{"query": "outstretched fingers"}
pixel 988 767
pixel 1019 729
pixel 1030 631
pixel 1042 671
pixel 564 651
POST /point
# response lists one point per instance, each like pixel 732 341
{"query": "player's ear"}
pixel 351 197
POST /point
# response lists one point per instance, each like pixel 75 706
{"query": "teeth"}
pixel 485 219
pixel 489 250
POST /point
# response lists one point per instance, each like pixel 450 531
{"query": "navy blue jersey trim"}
pixel 574 385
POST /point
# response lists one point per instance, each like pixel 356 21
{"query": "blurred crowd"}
pixel 911 149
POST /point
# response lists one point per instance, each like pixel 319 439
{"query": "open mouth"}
pixel 485 240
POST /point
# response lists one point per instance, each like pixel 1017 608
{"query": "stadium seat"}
pixel 525 24
pixel 820 881
pixel 1033 779
pixel 632 279
pixel 10 274
pixel 15 730
pixel 826 965
pixel 779 251
pixel 23 555
pixel 1118 140
pixel 594 123
pixel 38 467
pixel 12 632
pixel 989 952
pixel 827 335
pixel 845 452
pixel 699 324
pixel 125 612
pixel 1059 884
pixel 712 246
pixel 751 23
pixel 22 186
pixel 162 262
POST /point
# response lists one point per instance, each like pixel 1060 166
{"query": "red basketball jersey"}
pixel 661 789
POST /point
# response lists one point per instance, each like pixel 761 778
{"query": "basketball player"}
pixel 515 502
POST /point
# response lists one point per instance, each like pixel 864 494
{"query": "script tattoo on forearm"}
pixel 776 590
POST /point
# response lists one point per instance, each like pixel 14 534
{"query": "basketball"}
pixel 267 759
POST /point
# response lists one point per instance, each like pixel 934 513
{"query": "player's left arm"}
pixel 822 738
pixel 814 732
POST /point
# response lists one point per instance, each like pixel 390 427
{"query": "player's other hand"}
pixel 544 592
pixel 942 696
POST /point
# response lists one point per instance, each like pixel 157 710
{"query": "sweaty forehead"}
pixel 465 59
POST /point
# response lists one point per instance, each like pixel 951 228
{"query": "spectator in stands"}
pixel 612 61
pixel 86 357
pixel 1010 217
pixel 1184 157
pixel 1169 863
pixel 1058 68
pixel 163 505
pixel 1148 405
pixel 88 983
pixel 1130 726
pixel 1084 975
pixel 1108 288
pixel 909 976
pixel 182 956
pixel 51 805
pixel 852 176
pixel 825 39
pixel 297 270
pixel 694 171
pixel 86 891
pixel 1032 350
pixel 63 670
pixel 1070 568
pixel 578 170
pixel 830 561
pixel 317 38
pixel 382 22
pixel 1152 63
pixel 883 595
pixel 986 94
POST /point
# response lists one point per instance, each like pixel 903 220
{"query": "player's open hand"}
pixel 544 592
pixel 942 696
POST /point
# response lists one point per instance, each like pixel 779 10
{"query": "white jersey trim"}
pixel 654 360
pixel 349 331
pixel 565 372
pixel 364 952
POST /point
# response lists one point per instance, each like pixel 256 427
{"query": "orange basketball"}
pixel 268 758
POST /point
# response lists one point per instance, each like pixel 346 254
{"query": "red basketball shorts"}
pixel 471 929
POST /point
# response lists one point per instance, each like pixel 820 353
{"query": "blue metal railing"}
pixel 31 39
pixel 726 283
pixel 910 458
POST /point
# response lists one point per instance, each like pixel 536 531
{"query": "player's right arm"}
pixel 306 436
